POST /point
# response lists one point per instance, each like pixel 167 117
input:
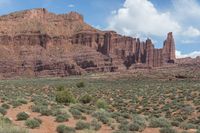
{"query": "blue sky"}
pixel 137 18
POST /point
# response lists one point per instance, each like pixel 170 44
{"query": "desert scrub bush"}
pixel 84 108
pixel 7 127
pixel 159 122
pixel 5 120
pixel 80 125
pixel 22 101
pixel 85 99
pixel 18 102
pixel 62 117
pixel 5 106
pixel 65 129
pixel 95 125
pixel 75 113
pixel 187 126
pixel 55 112
pixel 124 126
pixel 175 123
pixel 42 109
pixel 198 130
pixel 140 122
pixel 15 104
pixel 167 130
pixel 102 116
pixel 65 97
pixel 134 127
pixel 80 84
pixel 45 111
pixel 22 116
pixel 60 88
pixel 3 111
pixel 32 123
pixel 38 119
pixel 101 104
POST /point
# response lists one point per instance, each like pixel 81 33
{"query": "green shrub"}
pixel 175 123
pixel 5 120
pixel 5 106
pixel 22 101
pixel 9 128
pixel 45 111
pixel 159 122
pixel 56 112
pixel 62 117
pixel 38 119
pixel 80 125
pixel 102 116
pixel 41 109
pixel 15 104
pixel 65 129
pixel 22 116
pixel 140 122
pixel 134 127
pixel 65 97
pixel 123 127
pixel 32 123
pixel 167 130
pixel 95 125
pixel 101 104
pixel 198 130
pixel 86 99
pixel 80 84
pixel 76 113
pixel 18 102
pixel 60 88
pixel 187 126
pixel 3 111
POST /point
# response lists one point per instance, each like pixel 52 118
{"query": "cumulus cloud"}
pixel 186 9
pixel 140 16
pixel 192 32
pixel 192 54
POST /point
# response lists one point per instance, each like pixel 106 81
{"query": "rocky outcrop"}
pixel 39 43
pixel 131 50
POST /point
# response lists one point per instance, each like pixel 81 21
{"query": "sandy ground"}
pixel 48 122
pixel 49 125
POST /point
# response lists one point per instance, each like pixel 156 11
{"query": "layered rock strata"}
pixel 39 43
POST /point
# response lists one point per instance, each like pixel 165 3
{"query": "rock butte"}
pixel 39 43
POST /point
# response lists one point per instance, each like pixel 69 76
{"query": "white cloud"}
pixel 192 32
pixel 140 16
pixel 192 54
pixel 185 9
pixel 71 6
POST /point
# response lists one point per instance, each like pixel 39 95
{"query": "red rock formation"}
pixel 169 49
pixel 129 49
pixel 39 43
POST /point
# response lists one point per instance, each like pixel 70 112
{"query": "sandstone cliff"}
pixel 39 43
